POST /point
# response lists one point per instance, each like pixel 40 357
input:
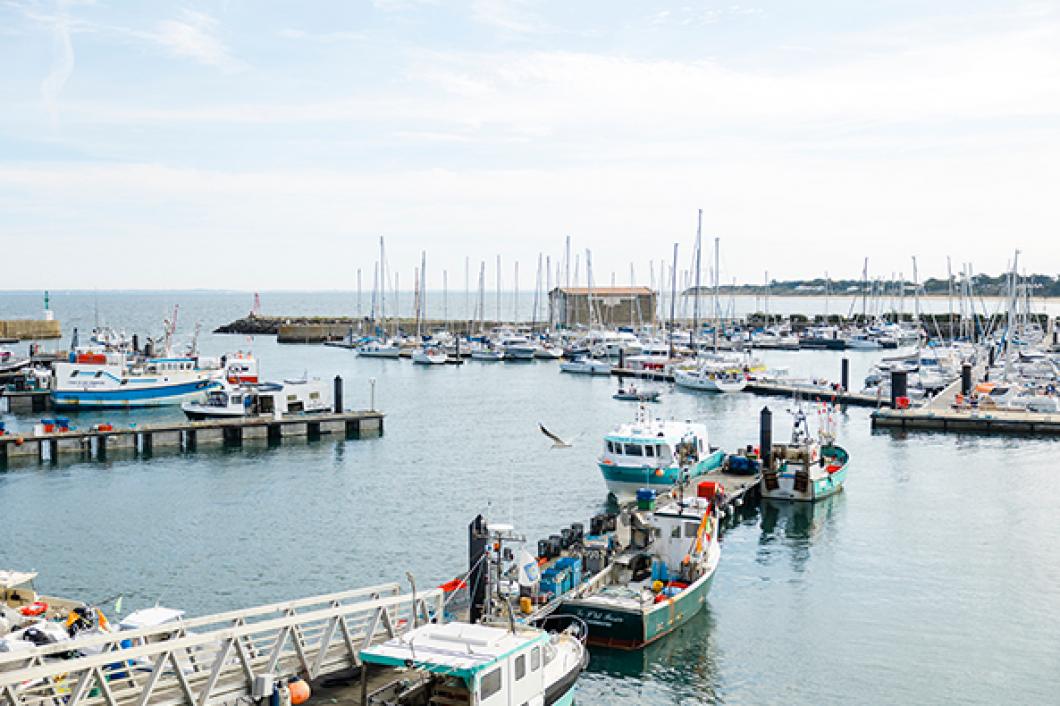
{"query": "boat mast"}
pixel 515 295
pixel 498 290
pixel 482 297
pixel 949 277
pixel 360 310
pixel 916 301
pixel 717 282
pixel 698 259
pixel 589 284
pixel 537 291
pixel 673 300
pixel 865 292
pixel 445 299
pixel 382 284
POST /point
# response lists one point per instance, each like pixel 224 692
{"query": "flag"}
pixel 117 605
pixel 529 572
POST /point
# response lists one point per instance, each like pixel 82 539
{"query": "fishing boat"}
pixel 458 664
pixel 647 453
pixel 429 355
pixel 377 348
pixel 584 365
pixel 806 469
pixel 708 379
pixel 19 601
pixel 661 576
pixel 110 380
pixel 306 396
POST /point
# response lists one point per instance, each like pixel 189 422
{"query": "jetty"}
pixel 98 441
pixel 227 658
pixel 942 413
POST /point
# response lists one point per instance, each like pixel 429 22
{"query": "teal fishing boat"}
pixel 807 469
pixel 646 453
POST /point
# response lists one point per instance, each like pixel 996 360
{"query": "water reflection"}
pixel 682 667
pixel 797 520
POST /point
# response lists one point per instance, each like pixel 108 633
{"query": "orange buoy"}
pixel 300 691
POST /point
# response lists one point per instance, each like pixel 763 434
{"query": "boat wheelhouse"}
pixel 647 453
pixel 807 469
pixel 265 399
pixel 460 664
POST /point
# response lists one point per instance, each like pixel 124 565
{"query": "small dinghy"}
pixel 632 394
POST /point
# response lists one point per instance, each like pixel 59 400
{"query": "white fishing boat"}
pixel 463 664
pixel 863 342
pixel 110 380
pixel 306 396
pixel 647 453
pixel 706 379
pixel 379 349
pixel 584 365
pixel 487 354
pixel 429 355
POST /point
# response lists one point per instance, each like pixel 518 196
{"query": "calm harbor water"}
pixel 932 578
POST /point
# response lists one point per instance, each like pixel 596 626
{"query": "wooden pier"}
pixel 96 443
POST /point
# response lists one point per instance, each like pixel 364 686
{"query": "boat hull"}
pixel 624 481
pixel 630 629
pixel 822 484
pixel 155 396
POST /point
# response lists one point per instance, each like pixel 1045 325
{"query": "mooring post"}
pixel 371 394
pixel 338 394
pixel 966 379
pixel 845 374
pixel 477 538
pixel 765 437
pixel 898 386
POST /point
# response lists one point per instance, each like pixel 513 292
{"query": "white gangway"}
pixel 216 659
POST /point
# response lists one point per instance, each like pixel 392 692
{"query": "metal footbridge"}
pixel 218 658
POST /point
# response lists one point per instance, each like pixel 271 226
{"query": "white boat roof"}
pixel 652 430
pixel 14 579
pixel 458 649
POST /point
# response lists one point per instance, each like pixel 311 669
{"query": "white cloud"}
pixel 194 36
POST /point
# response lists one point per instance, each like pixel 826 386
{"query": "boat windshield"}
pixel 217 399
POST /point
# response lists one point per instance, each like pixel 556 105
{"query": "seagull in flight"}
pixel 557 443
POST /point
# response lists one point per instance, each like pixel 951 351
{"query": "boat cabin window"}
pixel 535 659
pixel 649 450
pixel 675 532
pixel 314 395
pixel 691 529
pixel 491 684
pixel 634 450
pixel 237 399
pixel 609 447
pixel 520 667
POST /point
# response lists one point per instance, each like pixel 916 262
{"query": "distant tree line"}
pixel 982 284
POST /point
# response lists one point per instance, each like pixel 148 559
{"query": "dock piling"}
pixel 765 437
pixel 845 374
pixel 338 394
pixel 966 379
pixel 899 386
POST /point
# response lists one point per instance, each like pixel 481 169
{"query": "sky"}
pixel 242 144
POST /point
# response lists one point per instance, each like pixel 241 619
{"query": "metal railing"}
pixel 214 659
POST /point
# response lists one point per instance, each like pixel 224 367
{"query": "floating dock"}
pixel 771 388
pixel 146 439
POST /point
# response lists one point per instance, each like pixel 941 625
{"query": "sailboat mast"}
pixel 717 283
pixel 673 300
pixel 698 259
pixel 382 283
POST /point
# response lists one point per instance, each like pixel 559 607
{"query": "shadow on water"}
pixel 680 668
pixel 794 527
